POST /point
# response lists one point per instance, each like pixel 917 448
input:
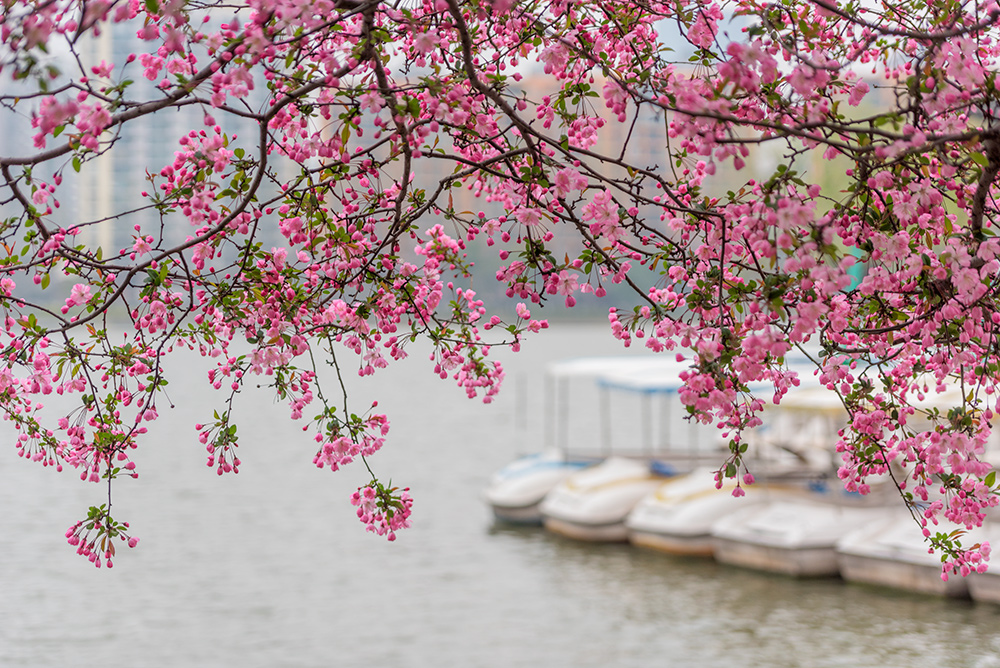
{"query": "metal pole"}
pixel 549 411
pixel 694 444
pixel 605 417
pixel 563 415
pixel 647 427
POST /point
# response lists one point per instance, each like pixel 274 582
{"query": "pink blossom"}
pixel 858 92
pixel 603 211
pixel 567 180
pixel 394 167
pixel 425 42
pixel 80 294
pixel 142 245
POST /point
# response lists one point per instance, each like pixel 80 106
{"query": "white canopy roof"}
pixel 600 366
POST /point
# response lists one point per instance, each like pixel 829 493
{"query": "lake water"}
pixel 271 568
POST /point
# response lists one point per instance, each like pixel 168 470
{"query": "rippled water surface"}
pixel 271 568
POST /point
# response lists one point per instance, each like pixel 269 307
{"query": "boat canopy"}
pixel 599 366
pixel 664 378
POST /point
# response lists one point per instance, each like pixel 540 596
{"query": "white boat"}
pixel 592 504
pixel 516 491
pixel 678 517
pixel 790 452
pixel 796 538
pixel 892 552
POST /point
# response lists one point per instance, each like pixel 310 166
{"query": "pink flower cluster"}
pixel 94 537
pixel 384 511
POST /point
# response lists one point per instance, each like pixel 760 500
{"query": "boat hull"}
pixel 893 553
pixel 984 587
pixel 592 505
pixel 678 517
pixel 920 578
pixel 688 546
pixel 799 562
pixel 525 515
pixel 597 533
pixel 796 539
pixel 516 492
